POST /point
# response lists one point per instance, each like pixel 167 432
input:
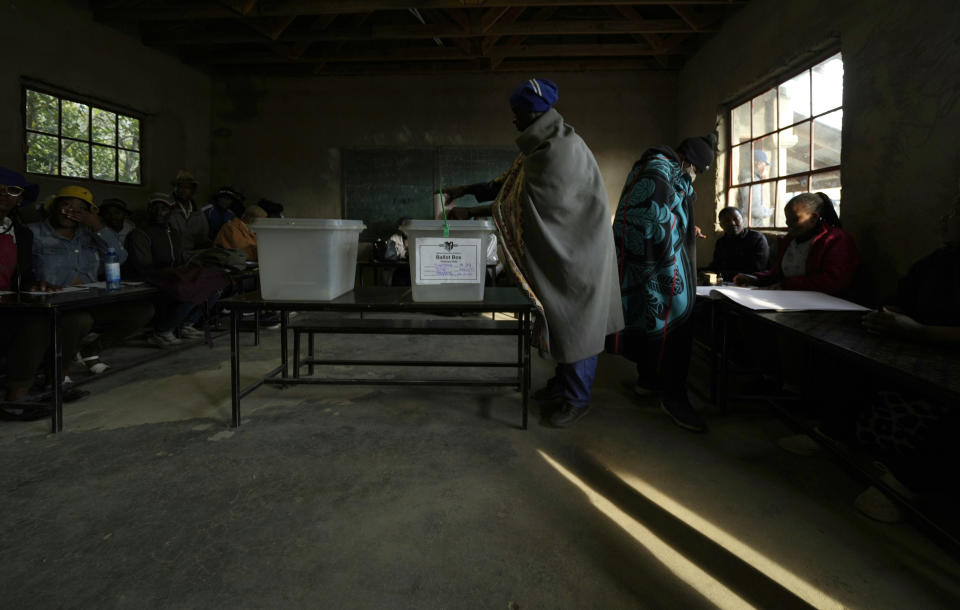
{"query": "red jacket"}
pixel 831 263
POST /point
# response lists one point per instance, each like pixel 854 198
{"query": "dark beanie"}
pixel 534 95
pixel 699 151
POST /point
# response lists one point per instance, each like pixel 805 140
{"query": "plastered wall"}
pixel 901 158
pixel 59 43
pixel 281 137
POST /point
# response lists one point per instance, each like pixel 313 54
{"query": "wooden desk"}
pixel 388 300
pixel 52 305
pixel 931 371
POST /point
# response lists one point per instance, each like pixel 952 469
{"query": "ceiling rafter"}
pixel 445 30
pixel 326 37
pixel 515 41
pixel 277 8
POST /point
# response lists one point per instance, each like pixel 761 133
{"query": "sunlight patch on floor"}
pixel 710 588
pixel 734 545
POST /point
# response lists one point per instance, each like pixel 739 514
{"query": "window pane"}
pixel 739 198
pixel 765 113
pixel 796 144
pixel 795 99
pixel 740 164
pixel 765 158
pixel 42 113
pixel 104 163
pixel 42 154
pixel 740 119
pixel 829 184
pixel 104 127
pixel 129 133
pixel 827 85
pixel 75 159
pixel 787 190
pixel 76 119
pixel 129 167
pixel 762 197
pixel 826 139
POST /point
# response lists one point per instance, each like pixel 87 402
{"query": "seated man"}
pixel 817 254
pixel 740 250
pixel 187 219
pixel 220 209
pixel 116 215
pixel 68 248
pixel 237 235
pixel 152 248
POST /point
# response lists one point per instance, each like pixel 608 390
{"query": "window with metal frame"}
pixel 78 139
pixel 786 141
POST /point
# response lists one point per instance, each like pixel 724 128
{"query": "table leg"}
pixel 724 388
pixel 56 372
pixel 714 347
pixel 284 320
pixel 256 326
pixel 235 364
pixel 525 384
pixel 310 352
pixel 296 353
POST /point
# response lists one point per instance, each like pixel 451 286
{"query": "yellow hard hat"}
pixel 76 192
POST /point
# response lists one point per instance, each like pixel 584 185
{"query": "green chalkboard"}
pixel 458 165
pixel 382 185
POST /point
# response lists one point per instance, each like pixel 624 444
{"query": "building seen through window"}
pixel 785 141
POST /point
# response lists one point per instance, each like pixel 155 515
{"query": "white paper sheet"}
pixel 783 300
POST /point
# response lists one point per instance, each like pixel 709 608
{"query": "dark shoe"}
pixel 683 414
pixel 73 394
pixel 568 415
pixel 548 392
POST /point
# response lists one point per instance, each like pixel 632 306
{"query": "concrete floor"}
pixel 361 497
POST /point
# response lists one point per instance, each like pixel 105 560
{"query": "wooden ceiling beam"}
pixel 445 30
pixel 333 69
pixel 280 8
pixel 490 18
pixel 633 16
pixel 515 41
pixel 442 54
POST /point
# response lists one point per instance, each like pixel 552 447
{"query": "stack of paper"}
pixel 779 300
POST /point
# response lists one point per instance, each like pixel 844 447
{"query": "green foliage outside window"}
pixel 72 139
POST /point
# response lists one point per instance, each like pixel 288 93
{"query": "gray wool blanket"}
pixel 561 238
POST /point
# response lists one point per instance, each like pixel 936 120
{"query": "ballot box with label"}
pixel 447 258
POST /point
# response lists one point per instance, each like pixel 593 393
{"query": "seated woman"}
pixel 68 249
pixel 237 235
pixel 740 250
pixel 912 436
pixel 816 254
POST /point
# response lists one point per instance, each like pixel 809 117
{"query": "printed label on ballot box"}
pixel 446 260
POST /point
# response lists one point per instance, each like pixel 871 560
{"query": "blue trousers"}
pixel 576 381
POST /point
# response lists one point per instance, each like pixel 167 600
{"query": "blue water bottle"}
pixel 111 268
